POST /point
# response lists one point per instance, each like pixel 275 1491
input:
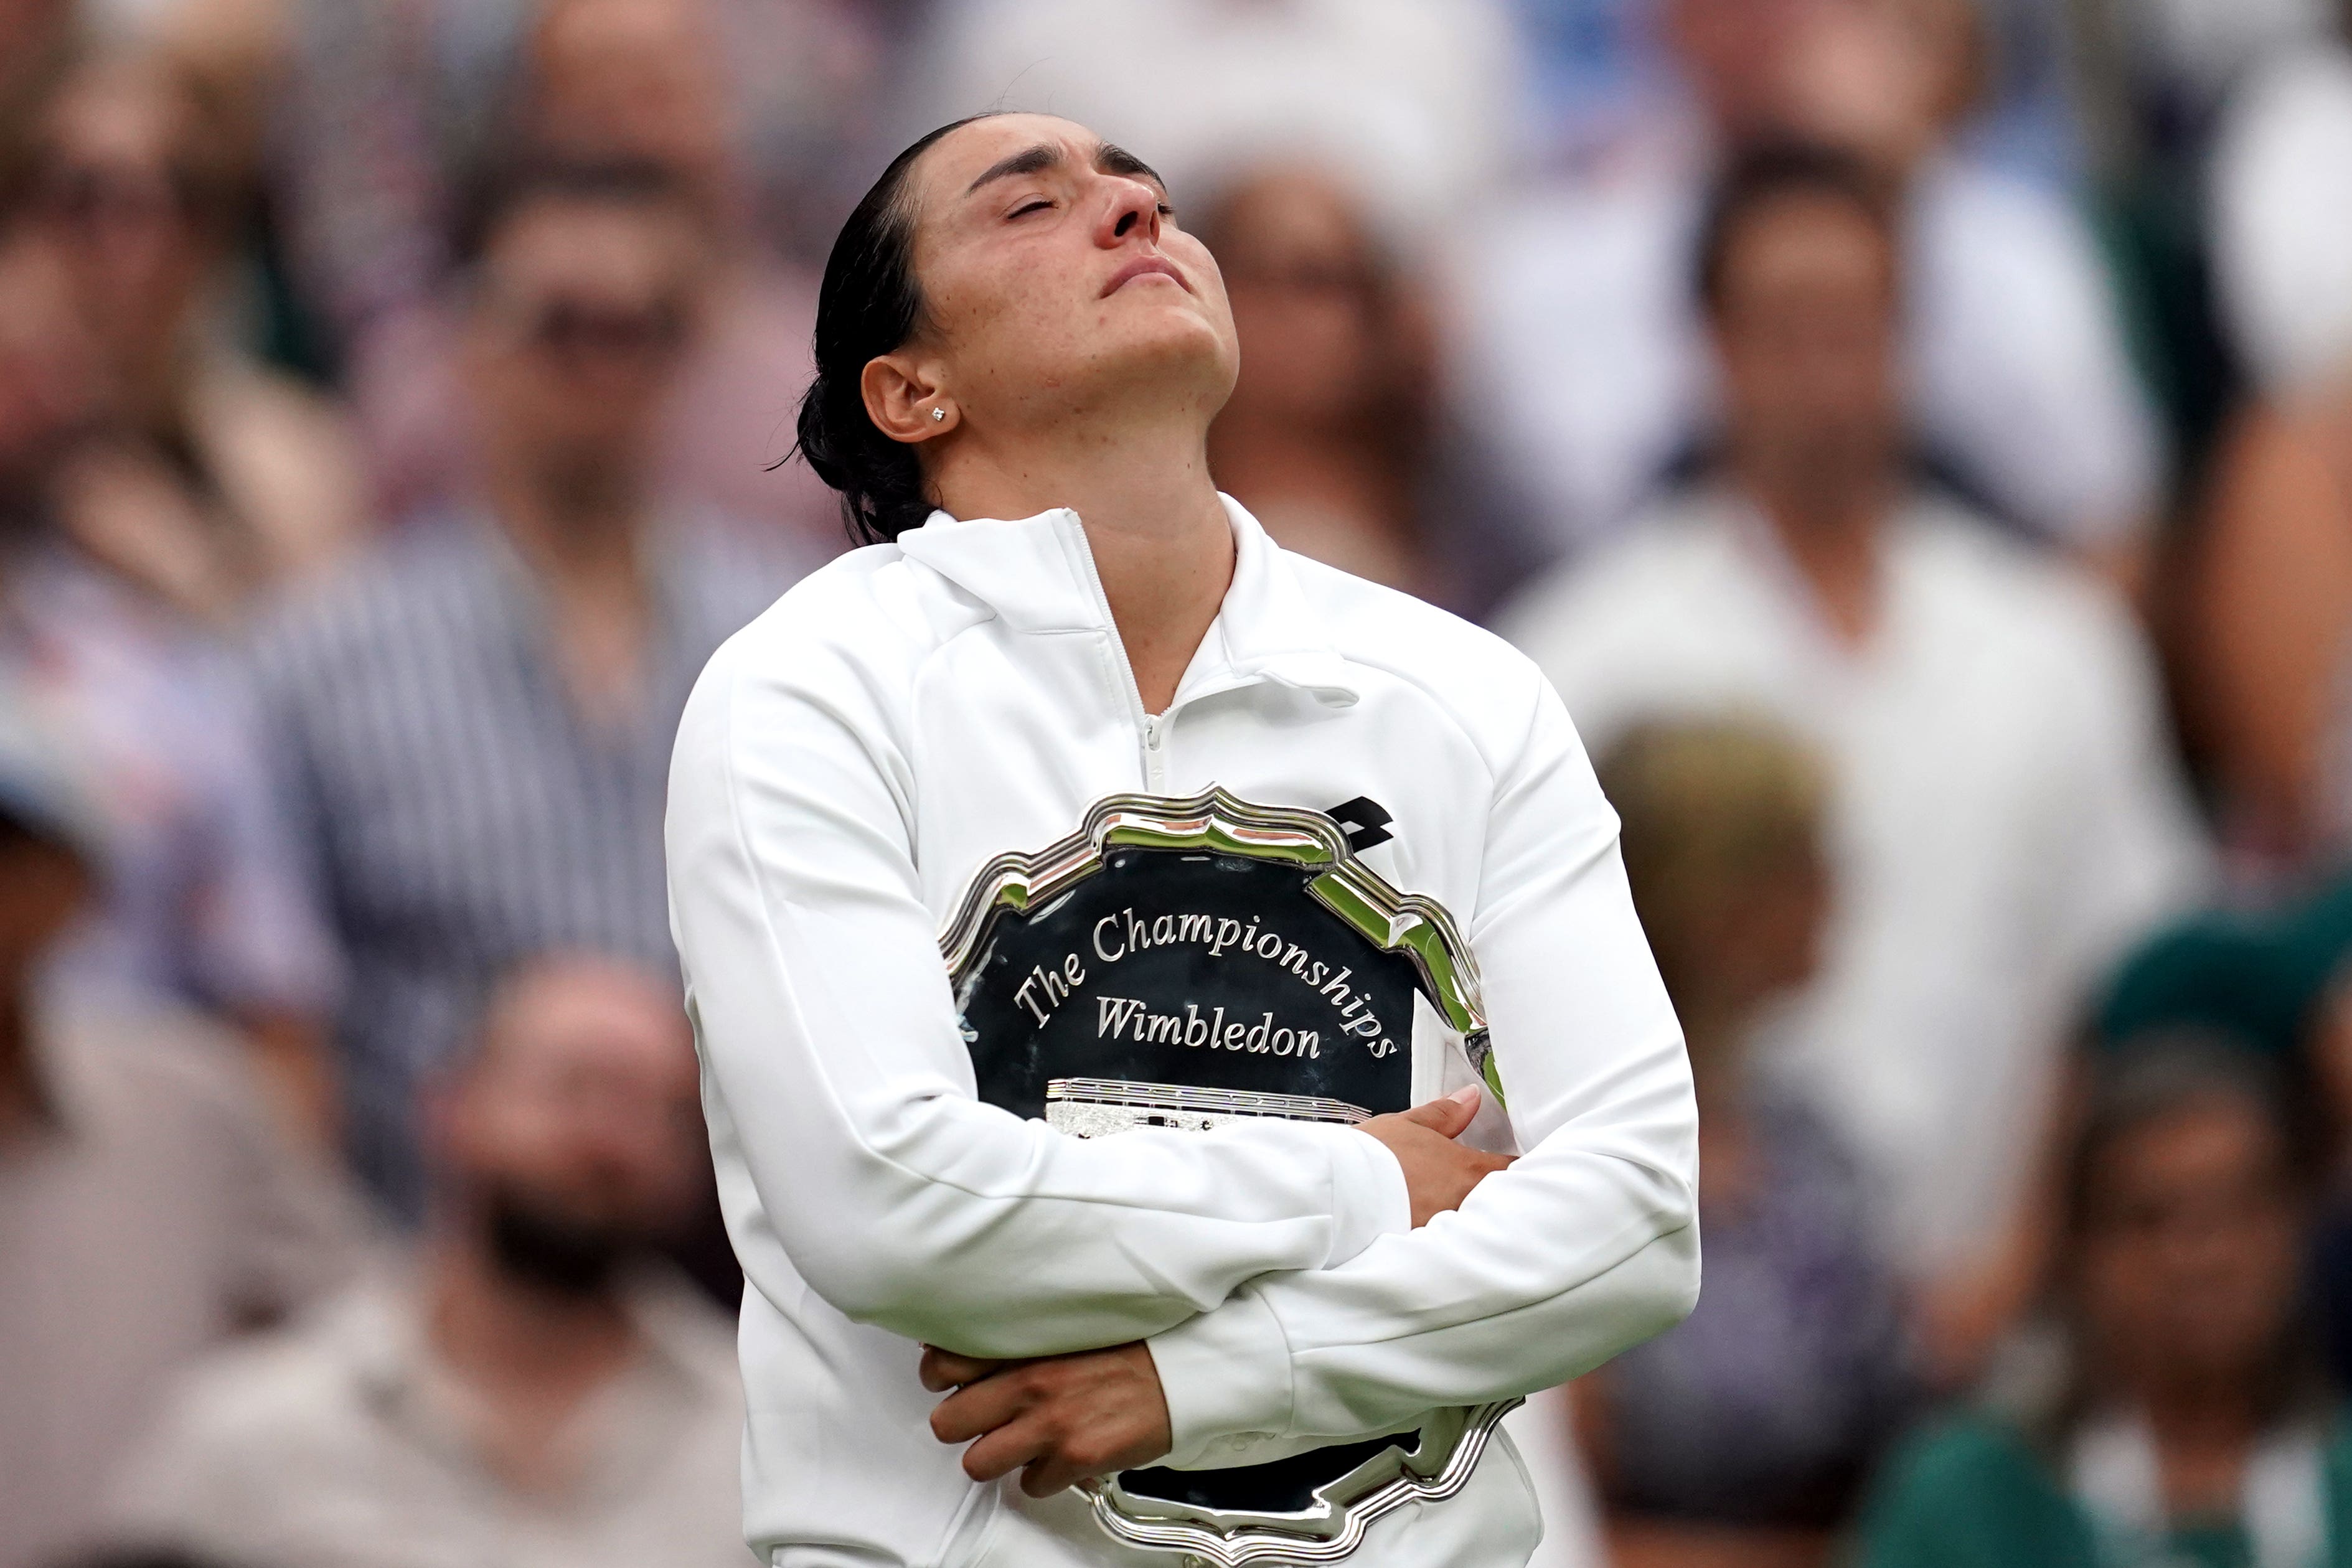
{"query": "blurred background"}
pixel 1915 436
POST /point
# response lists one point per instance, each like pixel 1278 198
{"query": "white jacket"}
pixel 851 760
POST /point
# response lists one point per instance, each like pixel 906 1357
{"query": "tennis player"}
pixel 978 1334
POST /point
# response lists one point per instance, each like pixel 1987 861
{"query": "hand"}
pixel 1438 1172
pixel 1057 1420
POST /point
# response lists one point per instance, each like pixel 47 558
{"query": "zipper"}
pixel 1155 758
pixel 1150 728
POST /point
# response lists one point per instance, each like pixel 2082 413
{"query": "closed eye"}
pixel 1025 208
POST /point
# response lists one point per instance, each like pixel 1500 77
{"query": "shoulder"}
pixel 151 1064
pixel 1483 683
pixel 1971 1486
pixel 849 642
pixel 421 585
pixel 1652 584
pixel 278 1393
pixel 1968 566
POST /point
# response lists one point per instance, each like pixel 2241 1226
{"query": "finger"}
pixel 978 1408
pixel 1007 1450
pixel 1043 1478
pixel 1447 1115
pixel 944 1369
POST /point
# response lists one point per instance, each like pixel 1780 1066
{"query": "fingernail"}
pixel 1467 1095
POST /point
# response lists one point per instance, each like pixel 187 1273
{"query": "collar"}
pixel 1038 574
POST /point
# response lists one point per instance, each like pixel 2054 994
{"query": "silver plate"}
pixel 1434 1461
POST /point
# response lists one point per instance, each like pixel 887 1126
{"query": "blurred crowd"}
pixel 1915 436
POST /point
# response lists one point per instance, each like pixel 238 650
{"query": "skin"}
pixel 585 1096
pixel 2267 620
pixel 1063 386
pixel 138 256
pixel 1323 436
pixel 2187 1282
pixel 569 428
pixel 1806 332
pixel 1077 343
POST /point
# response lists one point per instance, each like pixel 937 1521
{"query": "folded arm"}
pixel 854 1156
pixel 1586 1246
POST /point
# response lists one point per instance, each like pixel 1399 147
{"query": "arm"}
pixel 1588 1245
pixel 853 1157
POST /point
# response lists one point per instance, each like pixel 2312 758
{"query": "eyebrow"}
pixel 1110 159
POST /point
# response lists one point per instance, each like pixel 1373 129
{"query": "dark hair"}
pixel 1763 175
pixel 501 191
pixel 868 305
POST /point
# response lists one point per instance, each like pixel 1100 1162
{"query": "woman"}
pixel 1069 677
pixel 1327 436
pixel 209 480
pixel 1742 1437
pixel 2182 1425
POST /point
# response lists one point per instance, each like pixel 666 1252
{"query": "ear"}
pixel 904 399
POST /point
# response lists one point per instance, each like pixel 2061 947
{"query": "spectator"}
pixel 1580 353
pixel 1741 1436
pixel 2183 1421
pixel 2002 814
pixel 211 478
pixel 2266 634
pixel 474 730
pixel 531 1391
pixel 149 1206
pixel 645 81
pixel 1327 436
pixel 201 900
pixel 1415 104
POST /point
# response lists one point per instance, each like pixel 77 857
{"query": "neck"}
pixel 499 1333
pixel 581 542
pixel 1159 538
pixel 2202 1413
pixel 1828 519
pixel 570 527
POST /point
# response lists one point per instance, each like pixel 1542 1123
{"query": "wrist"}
pixel 1225 1376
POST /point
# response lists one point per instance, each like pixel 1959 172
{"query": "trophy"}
pixel 1188 962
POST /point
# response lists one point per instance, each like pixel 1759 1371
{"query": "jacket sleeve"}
pixel 854 1159
pixel 1585 1247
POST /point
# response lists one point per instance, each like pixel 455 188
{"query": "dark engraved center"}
pixel 1178 968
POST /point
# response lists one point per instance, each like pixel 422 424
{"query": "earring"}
pixel 938 414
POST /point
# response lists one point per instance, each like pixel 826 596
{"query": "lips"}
pixel 1141 266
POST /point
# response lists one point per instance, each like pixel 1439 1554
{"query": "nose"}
pixel 1131 212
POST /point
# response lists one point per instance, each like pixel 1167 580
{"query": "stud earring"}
pixel 938 414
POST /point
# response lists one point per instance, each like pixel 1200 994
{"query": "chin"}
pixel 1170 342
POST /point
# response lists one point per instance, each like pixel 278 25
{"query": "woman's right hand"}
pixel 1438 1172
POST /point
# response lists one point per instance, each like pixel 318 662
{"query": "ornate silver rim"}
pixel 1219 822
pixel 1329 1534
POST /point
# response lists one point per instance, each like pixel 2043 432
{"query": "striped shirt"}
pixel 461 813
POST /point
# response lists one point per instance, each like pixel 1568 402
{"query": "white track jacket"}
pixel 845 764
